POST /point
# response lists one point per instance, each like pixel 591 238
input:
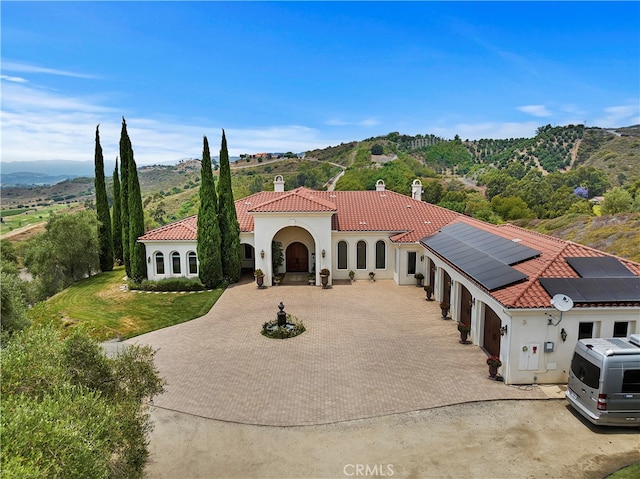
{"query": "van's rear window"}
pixel 585 371
pixel 631 381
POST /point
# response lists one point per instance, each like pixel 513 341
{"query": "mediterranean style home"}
pixel 527 297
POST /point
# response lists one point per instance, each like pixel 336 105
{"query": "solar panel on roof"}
pixel 496 246
pixel 484 268
pixel 599 267
pixel 594 290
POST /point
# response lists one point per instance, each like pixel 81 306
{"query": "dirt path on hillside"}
pixel 499 439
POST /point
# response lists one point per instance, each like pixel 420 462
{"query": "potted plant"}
pixel 464 329
pixel 312 279
pixel 428 289
pixel 494 363
pixel 352 274
pixel 259 278
pixel 372 276
pixel 277 279
pixel 324 277
pixel 444 307
pixel 419 277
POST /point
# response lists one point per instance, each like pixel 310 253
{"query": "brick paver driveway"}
pixel 370 349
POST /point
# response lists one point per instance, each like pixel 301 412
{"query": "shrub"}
pixel 169 284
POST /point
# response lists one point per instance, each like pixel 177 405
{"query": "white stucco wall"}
pixel 531 328
pixel 167 248
pixel 316 226
pixel 528 328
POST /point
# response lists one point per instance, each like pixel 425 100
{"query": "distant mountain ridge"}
pixel 28 178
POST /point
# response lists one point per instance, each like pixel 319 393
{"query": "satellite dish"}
pixel 562 302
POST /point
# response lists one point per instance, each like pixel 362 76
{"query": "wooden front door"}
pixel 491 332
pixel 465 306
pixel 446 287
pixel 297 258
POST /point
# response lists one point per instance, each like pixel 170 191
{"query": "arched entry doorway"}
pixel 297 257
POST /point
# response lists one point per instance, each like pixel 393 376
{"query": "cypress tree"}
pixel 125 148
pixel 210 262
pixel 137 253
pixel 228 219
pixel 105 240
pixel 117 220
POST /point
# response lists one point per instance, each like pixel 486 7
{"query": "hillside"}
pixel 618 234
pixel 461 175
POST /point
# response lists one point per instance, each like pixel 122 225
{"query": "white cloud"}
pixel 535 110
pixel 617 116
pixel 14 79
pixel 39 125
pixel 476 131
pixel 20 67
pixel 372 121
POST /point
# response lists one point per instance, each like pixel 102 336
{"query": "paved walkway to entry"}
pixel 370 349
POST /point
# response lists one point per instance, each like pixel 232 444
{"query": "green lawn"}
pixel 629 472
pixel 98 304
pixel 18 218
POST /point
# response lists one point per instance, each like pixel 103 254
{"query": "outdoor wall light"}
pixel 148 259
pixel 503 330
pixel 421 258
pixel 262 254
pixel 563 335
pixel 323 253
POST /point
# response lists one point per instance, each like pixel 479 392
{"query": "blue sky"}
pixel 297 76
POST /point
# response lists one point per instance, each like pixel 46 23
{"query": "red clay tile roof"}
pixel 300 200
pixel 385 211
pixel 183 230
pixel 550 264
pixel 407 221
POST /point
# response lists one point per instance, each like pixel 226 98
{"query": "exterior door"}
pixel 446 287
pixel 465 306
pixel 297 258
pixel 491 332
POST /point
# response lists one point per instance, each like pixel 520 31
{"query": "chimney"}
pixel 278 183
pixel 416 190
pixel 379 185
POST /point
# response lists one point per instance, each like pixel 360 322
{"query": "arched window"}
pixel 175 263
pixel 193 262
pixel 381 255
pixel 342 255
pixel 361 255
pixel 159 263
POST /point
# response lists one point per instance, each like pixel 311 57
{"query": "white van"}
pixel 604 381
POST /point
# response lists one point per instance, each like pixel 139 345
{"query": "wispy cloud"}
pixel 372 121
pixel 535 110
pixel 14 79
pixel 620 115
pixel 40 125
pixel 476 131
pixel 13 66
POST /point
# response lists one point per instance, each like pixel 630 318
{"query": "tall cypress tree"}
pixel 117 220
pixel 137 253
pixel 102 209
pixel 125 154
pixel 210 267
pixel 228 219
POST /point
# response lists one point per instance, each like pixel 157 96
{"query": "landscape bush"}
pixel 168 284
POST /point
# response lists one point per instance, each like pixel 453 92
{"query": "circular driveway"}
pixel 371 349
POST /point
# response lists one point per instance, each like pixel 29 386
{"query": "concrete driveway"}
pixel 371 349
